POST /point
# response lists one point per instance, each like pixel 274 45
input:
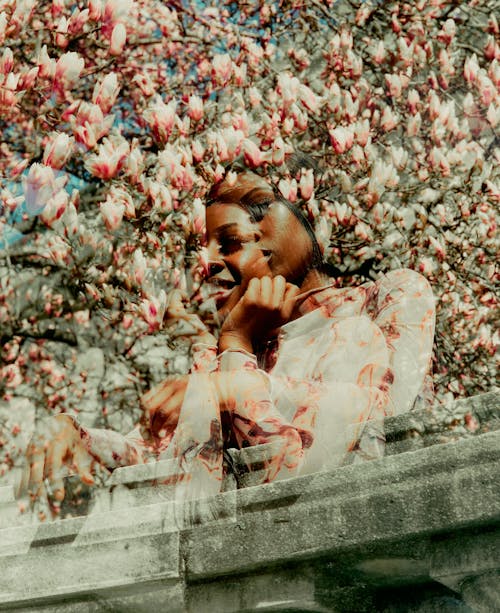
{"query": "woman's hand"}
pixel 191 323
pixel 267 303
pixel 161 408
pixel 56 451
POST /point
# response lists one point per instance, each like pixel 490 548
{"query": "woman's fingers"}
pixel 54 467
pixel 36 461
pixel 288 303
pixel 83 463
pixel 162 408
pixel 266 291
pixel 279 288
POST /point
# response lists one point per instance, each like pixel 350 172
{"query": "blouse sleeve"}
pixel 405 313
pixel 312 409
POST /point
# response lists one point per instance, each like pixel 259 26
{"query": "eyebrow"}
pixel 227 227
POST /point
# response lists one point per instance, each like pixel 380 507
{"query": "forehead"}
pixel 278 220
pixel 223 216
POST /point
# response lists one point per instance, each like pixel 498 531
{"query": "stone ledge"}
pixel 383 523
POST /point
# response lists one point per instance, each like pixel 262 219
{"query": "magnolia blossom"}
pixel 161 118
pixel 306 184
pixel 40 186
pixel 68 69
pixel 288 88
pixel 112 213
pixel 109 160
pixel 55 207
pixel 253 155
pixel 46 65
pixel 120 195
pixel 57 150
pixel 341 138
pixel 198 216
pixel 90 124
pixel 118 39
pixel 195 107
pixel 106 92
pixel 152 310
pixel 139 266
pixel 160 195
pixel 222 66
pixel 6 61
pixel 134 163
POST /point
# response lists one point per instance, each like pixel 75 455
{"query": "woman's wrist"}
pixel 235 341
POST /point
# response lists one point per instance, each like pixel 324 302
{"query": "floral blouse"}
pixel 316 395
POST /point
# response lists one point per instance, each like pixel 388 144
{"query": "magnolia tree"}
pixel 116 117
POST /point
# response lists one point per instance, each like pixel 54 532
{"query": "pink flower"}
pixel 90 125
pixel 197 150
pixel 40 186
pixel 487 91
pixel 379 54
pixel 161 118
pixel 118 39
pixel 308 98
pixel 195 107
pixel 447 32
pixel 112 213
pixel 222 67
pixel 139 266
pixel 198 216
pixel 120 195
pixel 288 188
pixel 3 26
pixel 109 160
pixel 362 132
pixel 413 100
pixel 341 138
pixel 134 164
pixel 306 184
pixel 253 155
pixel 106 92
pixel 7 61
pixel 55 207
pixel 393 83
pixel 471 68
pixel 61 33
pixel 288 88
pixel 57 150
pixel 115 11
pixel 389 120
pixel 27 79
pixel 8 95
pixel 95 9
pixel 68 69
pixel 413 125
pixel 46 65
pixel 160 195
pixel 152 310
pixel 278 154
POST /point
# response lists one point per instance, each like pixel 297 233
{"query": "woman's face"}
pixel 239 249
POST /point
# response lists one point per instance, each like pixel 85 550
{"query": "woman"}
pixel 303 367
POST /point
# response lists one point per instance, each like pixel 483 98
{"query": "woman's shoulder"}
pixel 404 280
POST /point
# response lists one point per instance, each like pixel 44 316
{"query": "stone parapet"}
pixel 414 530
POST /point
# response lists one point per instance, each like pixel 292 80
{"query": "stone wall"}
pixel 418 530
